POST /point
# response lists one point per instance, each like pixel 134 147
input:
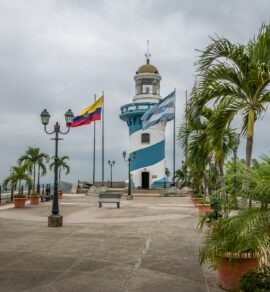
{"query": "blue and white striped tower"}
pixel 149 145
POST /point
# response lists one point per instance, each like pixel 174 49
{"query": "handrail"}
pixel 136 106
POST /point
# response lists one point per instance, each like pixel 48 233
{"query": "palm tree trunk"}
pixel 34 186
pixel 223 193
pixel 205 186
pixel 221 172
pixel 249 147
pixel 250 135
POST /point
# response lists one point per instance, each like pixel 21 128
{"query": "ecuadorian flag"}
pixel 89 114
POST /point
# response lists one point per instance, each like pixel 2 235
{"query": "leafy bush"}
pixel 198 195
pixel 19 196
pixel 34 194
pixel 205 202
pixel 256 281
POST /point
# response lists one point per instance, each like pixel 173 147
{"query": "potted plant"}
pixel 17 175
pixel 241 242
pixel 34 198
pixel 204 207
pixel 235 245
pixel 60 194
pixel 214 213
pixel 19 200
pixel 197 198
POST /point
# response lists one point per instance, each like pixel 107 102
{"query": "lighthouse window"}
pixel 147 85
pixel 147 88
pixel 145 138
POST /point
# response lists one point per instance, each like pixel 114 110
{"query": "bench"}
pixel 109 197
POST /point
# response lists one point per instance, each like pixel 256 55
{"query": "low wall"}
pixel 83 188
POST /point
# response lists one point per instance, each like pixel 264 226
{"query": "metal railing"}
pixel 139 106
pixel 7 194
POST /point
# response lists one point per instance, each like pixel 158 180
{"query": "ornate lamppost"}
pixel 130 158
pixel 55 219
pixel 111 164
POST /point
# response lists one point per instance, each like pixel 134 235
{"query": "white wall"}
pixel 157 170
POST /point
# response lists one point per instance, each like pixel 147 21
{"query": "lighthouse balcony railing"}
pixel 142 106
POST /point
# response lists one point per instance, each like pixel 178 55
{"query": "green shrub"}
pixel 19 196
pixel 198 195
pixel 205 202
pixel 256 281
pixel 34 194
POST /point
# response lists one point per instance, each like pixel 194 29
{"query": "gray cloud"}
pixel 58 54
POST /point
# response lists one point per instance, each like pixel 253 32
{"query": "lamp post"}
pixel 234 158
pixel 130 158
pixel 55 219
pixel 38 182
pixel 111 164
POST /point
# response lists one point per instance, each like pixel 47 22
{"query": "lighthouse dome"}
pixel 147 68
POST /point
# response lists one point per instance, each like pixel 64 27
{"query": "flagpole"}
pixel 94 149
pixel 186 139
pixel 174 138
pixel 103 117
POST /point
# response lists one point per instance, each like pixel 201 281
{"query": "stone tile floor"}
pixel 149 244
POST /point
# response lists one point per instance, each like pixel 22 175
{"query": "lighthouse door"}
pixel 145 180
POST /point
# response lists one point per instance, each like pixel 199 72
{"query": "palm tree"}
pixel 17 175
pixel 222 143
pixel 236 78
pixel 62 165
pixel 194 137
pixel 179 175
pixel 205 144
pixel 33 158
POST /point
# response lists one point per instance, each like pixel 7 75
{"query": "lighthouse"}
pixel 147 145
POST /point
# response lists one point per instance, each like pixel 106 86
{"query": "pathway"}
pixel 149 244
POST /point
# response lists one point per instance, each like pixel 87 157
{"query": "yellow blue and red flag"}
pixel 89 114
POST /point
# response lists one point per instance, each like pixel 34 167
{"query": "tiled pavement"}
pixel 150 244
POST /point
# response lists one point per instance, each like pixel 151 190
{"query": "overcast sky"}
pixel 56 54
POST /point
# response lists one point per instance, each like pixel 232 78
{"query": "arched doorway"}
pixel 145 180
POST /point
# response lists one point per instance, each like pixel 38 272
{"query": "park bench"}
pixel 109 197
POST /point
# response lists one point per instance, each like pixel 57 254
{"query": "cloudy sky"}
pixel 56 54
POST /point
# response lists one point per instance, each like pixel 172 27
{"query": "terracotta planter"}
pixel 197 201
pixel 230 270
pixel 191 193
pixel 34 200
pixel 203 209
pixel 60 195
pixel 19 202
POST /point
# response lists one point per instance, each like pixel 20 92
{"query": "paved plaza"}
pixel 150 244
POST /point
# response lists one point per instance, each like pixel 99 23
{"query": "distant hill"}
pixel 65 186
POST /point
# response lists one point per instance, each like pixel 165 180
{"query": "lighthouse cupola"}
pixel 147 82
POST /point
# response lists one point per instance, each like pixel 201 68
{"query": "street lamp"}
pixel 130 158
pixel 237 142
pixel 55 219
pixel 111 164
pixel 38 182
